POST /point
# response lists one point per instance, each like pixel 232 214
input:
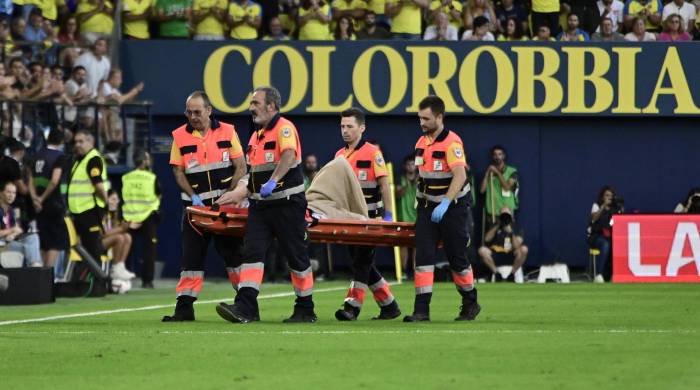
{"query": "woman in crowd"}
pixel 600 228
pixel 674 30
pixel 476 8
pixel 70 42
pixel 639 32
pixel 514 31
pixel 344 31
pixel 479 32
pixel 116 237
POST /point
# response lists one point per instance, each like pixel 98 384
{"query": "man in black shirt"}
pixel 503 246
pixel 372 30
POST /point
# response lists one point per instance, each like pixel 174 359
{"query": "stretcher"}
pixel 231 221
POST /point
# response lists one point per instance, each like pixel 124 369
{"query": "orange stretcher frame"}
pixel 231 221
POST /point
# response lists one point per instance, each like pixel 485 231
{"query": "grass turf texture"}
pixel 577 336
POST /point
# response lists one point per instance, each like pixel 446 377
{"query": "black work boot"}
pixel 184 310
pixel 303 311
pixel 421 308
pixel 388 312
pixel 470 307
pixel 234 313
pixel 347 313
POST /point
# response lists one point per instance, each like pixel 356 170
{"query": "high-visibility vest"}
pixel 139 194
pixel 81 192
pixel 362 160
pixel 434 175
pixel 208 166
pixel 263 155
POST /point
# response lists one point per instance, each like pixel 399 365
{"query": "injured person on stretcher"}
pixel 337 212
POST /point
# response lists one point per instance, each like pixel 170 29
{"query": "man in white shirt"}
pixel 613 9
pixel 682 8
pixel 78 92
pixel 441 29
pixel 96 63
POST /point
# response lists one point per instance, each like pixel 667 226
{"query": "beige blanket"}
pixel 336 193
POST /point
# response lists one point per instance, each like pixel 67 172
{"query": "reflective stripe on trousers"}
pixel 464 280
pixel 234 276
pixel 382 293
pixel 303 282
pixel 356 294
pixel 251 275
pixel 190 283
pixel 424 279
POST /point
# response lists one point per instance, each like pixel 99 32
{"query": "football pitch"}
pixel 576 336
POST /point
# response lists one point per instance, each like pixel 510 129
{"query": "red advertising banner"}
pixel 656 248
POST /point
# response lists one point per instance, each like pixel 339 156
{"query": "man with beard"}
pixel 500 184
pixel 372 30
pixel 443 197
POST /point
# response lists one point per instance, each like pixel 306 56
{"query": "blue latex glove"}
pixel 388 217
pixel 267 188
pixel 196 200
pixel 440 210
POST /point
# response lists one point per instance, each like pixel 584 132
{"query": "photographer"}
pixel 600 228
pixel 691 203
pixel 503 247
pixel 499 185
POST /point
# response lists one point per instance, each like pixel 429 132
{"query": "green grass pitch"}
pixel 577 336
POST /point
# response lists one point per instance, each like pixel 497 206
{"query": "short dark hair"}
pixel 3 184
pixel 77 68
pixel 55 137
pixel 498 147
pixel 202 95
pixel 15 146
pixel 355 112
pixel 272 96
pixel 436 105
pixel 139 156
pixel 480 21
pixel 35 63
pixel 15 59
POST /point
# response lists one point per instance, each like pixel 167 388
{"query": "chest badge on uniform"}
pixel 419 161
pixel 437 165
pixel 269 157
pixel 362 175
pixel 192 163
pixel 225 157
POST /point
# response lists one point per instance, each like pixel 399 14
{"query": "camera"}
pixel 694 204
pixel 505 219
pixel 617 205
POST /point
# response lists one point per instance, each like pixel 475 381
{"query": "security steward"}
pixel 87 193
pixel 443 197
pixel 277 210
pixel 207 160
pixel 367 163
pixel 141 195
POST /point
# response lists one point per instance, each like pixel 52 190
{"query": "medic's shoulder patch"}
pixel 286 132
pixel 458 153
pixel 378 159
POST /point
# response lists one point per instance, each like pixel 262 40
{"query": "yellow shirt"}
pixel 503 38
pixel 446 9
pixel 545 6
pixel 49 9
pixel 210 25
pixel 137 28
pixel 343 5
pixel 408 20
pixel 314 30
pixel 100 23
pixel 237 12
pixel 377 6
pixel 635 7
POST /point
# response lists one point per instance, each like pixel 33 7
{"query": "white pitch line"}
pixel 154 307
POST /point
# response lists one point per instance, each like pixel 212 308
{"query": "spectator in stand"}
pixel 116 237
pixel 451 8
pixel 614 10
pixel 354 10
pixel 684 9
pixel 647 10
pixel 372 29
pixel 40 34
pixel 78 92
pixel 477 8
pixel 503 245
pixel 49 10
pixel 209 19
pixel 23 80
pixel 310 169
pixel 600 228
pixel 96 19
pixel 479 32
pixel 10 230
pixel 110 94
pixel 96 63
pixel 313 19
pixel 173 18
pixel 406 18
pixel 693 197
pixel 406 207
pixel 47 171
pixel 7 45
pixel 500 185
pixel 6 8
pixel 136 15
pixel 572 32
pixel 344 30
pixel 545 13
pixel 513 31
pixel 673 30
pixel 507 9
pixel 441 29
pixel 639 32
pixel 6 90
pixel 70 42
pixel 244 19
pixel 276 32
pixel 587 12
pixel 17 33
pixel 607 32
pixel 288 15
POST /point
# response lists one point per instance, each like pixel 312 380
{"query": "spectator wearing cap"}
pixel 135 17
pixel 96 19
pixel 173 18
pixel 479 32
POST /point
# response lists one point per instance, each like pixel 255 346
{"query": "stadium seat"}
pixel 504 270
pixel 557 272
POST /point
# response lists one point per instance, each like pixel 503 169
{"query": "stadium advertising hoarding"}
pixel 524 78
pixel 656 248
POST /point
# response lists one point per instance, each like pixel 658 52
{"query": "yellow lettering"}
pixel 422 81
pixel 553 92
pixel 504 74
pixel 212 78
pixel 679 86
pixel 298 73
pixel 626 77
pixel 398 76
pixel 604 94
pixel 321 90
